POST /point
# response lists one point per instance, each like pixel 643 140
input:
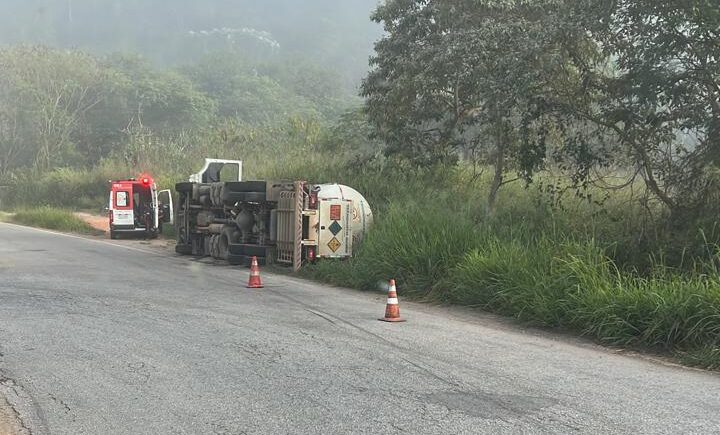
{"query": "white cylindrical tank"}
pixel 362 217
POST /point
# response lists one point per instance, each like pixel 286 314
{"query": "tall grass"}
pixel 64 187
pixel 575 285
pixel 52 218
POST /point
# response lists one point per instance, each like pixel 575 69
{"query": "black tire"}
pixel 233 197
pixel 113 235
pixel 226 238
pixel 183 249
pixel 244 260
pixel 206 246
pixel 249 250
pixel 185 187
pixel 246 186
pixel 214 247
pixel 236 260
pixel 213 195
pixel 255 196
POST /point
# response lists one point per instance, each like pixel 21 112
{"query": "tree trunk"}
pixel 499 165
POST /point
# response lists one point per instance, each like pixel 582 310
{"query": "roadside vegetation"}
pixel 557 161
pixel 51 218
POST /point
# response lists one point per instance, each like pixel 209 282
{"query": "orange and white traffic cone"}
pixel 254 281
pixel 392 309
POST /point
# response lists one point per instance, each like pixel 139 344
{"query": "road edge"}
pixel 11 420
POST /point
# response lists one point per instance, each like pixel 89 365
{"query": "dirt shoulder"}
pixel 100 223
pixel 9 421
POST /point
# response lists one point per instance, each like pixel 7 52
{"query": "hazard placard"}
pixel 334 244
pixel 335 212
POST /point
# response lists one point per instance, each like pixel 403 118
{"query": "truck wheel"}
pixel 230 198
pixel 218 195
pixel 233 197
pixel 215 247
pixel 222 251
pixel 246 186
pixel 244 260
pixel 207 246
pixel 211 246
pixel 249 250
pixel 236 260
pixel 183 249
pixel 211 195
pixel 227 237
pixel 184 187
pixel 254 197
pixel 113 235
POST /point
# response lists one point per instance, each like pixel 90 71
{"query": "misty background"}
pixel 335 35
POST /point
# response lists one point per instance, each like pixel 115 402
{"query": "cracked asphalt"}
pixel 100 337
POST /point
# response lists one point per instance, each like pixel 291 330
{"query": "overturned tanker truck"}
pixel 284 222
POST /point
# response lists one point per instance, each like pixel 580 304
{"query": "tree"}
pixel 468 75
pixel 14 129
pixel 244 93
pixel 661 97
pixel 319 84
pixel 53 90
pixel 67 108
pixel 137 97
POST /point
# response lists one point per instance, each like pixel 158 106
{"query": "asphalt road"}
pixel 100 337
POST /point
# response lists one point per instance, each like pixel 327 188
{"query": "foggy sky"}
pixel 336 33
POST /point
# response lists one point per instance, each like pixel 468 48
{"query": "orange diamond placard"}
pixel 334 244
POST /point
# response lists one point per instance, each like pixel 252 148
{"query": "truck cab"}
pixel 136 207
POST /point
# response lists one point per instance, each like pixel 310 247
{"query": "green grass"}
pixel 52 218
pixel 705 357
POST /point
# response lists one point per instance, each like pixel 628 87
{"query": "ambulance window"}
pixel 121 199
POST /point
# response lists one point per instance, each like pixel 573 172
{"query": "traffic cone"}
pixel 392 309
pixel 254 281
